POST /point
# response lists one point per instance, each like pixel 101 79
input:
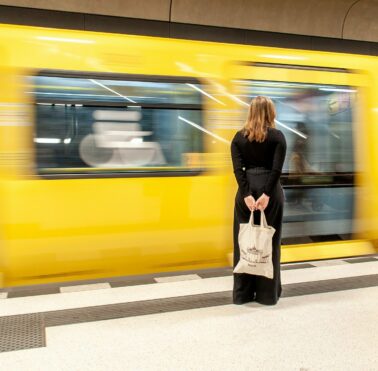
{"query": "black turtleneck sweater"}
pixel 269 154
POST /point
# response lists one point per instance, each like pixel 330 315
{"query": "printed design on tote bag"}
pixel 254 255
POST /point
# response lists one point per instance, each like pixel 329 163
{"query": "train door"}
pixel 319 110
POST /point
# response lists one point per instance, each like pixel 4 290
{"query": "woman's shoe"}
pixel 241 302
pixel 266 302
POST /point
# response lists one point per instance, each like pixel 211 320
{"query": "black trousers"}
pixel 251 287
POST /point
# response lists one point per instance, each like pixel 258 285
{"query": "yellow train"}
pixel 114 152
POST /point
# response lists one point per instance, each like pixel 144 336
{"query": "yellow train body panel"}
pixel 79 228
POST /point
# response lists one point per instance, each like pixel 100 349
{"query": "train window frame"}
pixel 339 179
pixel 92 172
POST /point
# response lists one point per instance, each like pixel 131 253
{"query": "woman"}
pixel 258 153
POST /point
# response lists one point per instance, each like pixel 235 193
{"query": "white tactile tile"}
pixel 326 263
pixel 42 303
pixel 331 331
pixel 184 277
pixel 3 295
pixel 91 286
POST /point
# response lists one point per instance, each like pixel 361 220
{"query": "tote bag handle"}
pixel 263 222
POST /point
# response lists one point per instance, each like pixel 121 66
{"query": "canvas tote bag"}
pixel 255 244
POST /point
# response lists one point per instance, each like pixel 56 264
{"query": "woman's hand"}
pixel 250 202
pixel 262 202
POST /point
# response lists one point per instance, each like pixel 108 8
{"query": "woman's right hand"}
pixel 250 202
pixel 262 202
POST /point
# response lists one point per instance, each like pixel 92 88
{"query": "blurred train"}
pixel 115 152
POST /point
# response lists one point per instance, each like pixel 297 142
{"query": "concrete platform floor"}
pixel 157 327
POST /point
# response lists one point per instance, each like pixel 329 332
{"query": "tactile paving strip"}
pixel 27 331
pixel 22 332
pixel 337 284
pixel 140 308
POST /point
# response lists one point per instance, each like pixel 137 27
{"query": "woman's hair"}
pixel 261 116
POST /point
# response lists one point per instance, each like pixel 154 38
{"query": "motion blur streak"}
pixel 115 158
pixel 204 130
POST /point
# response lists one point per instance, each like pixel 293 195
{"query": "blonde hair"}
pixel 261 115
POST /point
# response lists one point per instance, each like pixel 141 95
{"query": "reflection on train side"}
pixel 122 141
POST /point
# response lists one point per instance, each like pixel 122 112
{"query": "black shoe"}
pixel 266 302
pixel 241 302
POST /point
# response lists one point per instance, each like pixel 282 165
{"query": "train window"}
pixel 318 176
pixel 91 125
pixel 317 121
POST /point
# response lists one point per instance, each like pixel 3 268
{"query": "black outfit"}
pixel 257 168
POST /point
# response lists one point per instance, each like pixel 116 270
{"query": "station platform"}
pixel 325 320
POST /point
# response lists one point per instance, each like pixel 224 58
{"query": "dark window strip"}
pixel 294 67
pixel 117 76
pixel 313 186
pixel 326 238
pixel 192 107
pixel 121 174
pixel 317 180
